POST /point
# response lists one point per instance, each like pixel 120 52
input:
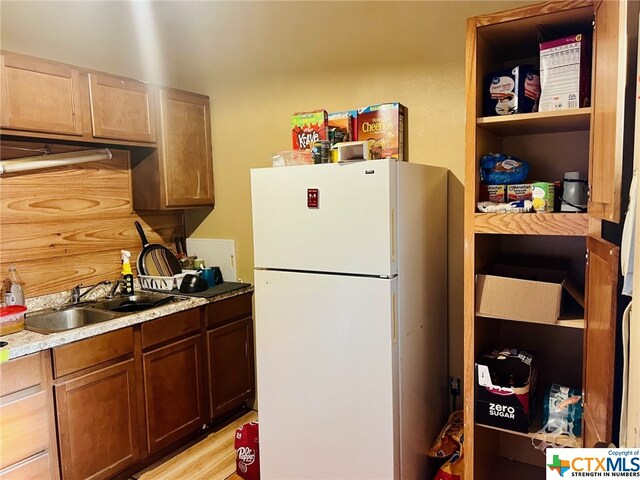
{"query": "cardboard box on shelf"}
pixel 565 73
pixel 511 91
pixel 528 294
pixel 543 194
pixel 493 193
pixel 505 389
pixel 519 191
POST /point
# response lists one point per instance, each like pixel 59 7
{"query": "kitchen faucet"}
pixel 76 295
pixel 119 281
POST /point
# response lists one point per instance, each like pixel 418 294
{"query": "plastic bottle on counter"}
pixel 13 293
pixel 127 274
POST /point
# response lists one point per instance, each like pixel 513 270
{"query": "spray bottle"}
pixel 12 286
pixel 127 275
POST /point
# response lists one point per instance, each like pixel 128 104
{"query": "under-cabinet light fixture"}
pixel 54 160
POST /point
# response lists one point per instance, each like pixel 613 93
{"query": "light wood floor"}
pixel 210 459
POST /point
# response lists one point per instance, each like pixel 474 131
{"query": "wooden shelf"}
pixel 538 122
pixel 572 323
pixel 562 322
pixel 576 443
pixel 566 224
pixel 505 468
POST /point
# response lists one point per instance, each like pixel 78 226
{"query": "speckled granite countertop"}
pixel 27 342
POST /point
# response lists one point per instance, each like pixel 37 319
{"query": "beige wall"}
pixel 260 62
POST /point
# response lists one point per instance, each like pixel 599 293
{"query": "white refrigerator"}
pixel 351 318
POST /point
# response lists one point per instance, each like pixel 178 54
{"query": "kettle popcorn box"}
pixel 512 91
pixel 308 128
pixel 384 126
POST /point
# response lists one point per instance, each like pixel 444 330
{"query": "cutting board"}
pixel 216 252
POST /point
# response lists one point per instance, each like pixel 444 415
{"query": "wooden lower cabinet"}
pixel 231 366
pixel 173 383
pixel 97 422
pixel 33 468
pixel 124 396
pixel 27 426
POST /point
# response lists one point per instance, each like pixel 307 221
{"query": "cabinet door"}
pixel 186 149
pixel 97 422
pixel 122 109
pixel 231 366
pixel 24 428
pixel 174 391
pixel 608 106
pixel 600 340
pixel 40 96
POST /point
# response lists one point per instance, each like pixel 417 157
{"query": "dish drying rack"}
pixel 164 284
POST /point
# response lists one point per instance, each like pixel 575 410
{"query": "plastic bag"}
pixel 453 469
pixel 448 442
pixel 501 169
pixel 562 417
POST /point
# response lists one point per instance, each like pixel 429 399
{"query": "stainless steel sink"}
pixel 51 321
pixel 135 303
pixel 67 318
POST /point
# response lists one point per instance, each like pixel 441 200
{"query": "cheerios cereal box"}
pixel 385 127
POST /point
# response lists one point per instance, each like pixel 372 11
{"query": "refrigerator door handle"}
pixel 393 234
pixel 394 318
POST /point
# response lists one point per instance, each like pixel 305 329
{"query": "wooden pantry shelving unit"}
pixel 585 139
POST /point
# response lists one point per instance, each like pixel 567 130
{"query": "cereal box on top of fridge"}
pixel 309 127
pixel 385 127
pixel 342 126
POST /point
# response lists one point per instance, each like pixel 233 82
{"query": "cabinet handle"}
pixel 198 190
pixel 246 350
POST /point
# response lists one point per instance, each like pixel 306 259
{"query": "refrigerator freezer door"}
pixel 326 218
pixel 326 367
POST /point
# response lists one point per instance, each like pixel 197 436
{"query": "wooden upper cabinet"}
pixel 122 109
pixel 40 96
pixel 608 101
pixel 185 149
pixel 600 340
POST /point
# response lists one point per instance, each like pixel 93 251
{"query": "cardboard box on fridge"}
pixel 528 293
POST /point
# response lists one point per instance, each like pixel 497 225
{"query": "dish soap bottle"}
pixel 13 295
pixel 127 275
